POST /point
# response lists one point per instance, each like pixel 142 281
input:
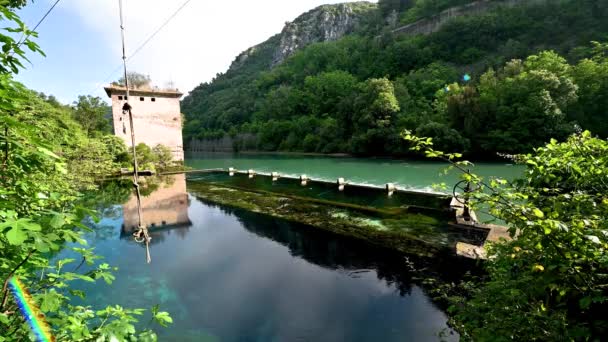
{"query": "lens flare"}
pixel 466 77
pixel 30 311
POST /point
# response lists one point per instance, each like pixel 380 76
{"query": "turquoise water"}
pixel 233 275
pixel 420 175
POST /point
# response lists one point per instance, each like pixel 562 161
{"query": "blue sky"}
pixel 81 39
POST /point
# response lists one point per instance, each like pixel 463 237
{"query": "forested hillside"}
pixel 503 81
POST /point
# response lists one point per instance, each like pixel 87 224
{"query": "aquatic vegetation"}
pixel 410 232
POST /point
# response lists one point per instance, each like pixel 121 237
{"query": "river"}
pixel 226 274
pixel 421 175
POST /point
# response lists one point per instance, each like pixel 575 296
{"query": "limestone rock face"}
pixel 324 23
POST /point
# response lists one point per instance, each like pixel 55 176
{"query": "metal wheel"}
pixel 462 189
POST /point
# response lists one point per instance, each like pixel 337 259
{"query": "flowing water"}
pixel 420 175
pixel 226 274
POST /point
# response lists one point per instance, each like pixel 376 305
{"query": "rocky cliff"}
pixel 324 23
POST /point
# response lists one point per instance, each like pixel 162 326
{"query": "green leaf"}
pixel 163 318
pixel 57 221
pixel 78 293
pixel 148 336
pixel 538 213
pixel 16 236
pixel 585 302
pixel 48 152
pixel 51 301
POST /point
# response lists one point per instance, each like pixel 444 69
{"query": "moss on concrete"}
pixel 409 232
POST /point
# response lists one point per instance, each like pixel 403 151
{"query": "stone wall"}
pixel 155 121
pixel 434 23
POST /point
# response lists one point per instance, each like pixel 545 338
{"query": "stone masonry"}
pixel 156 117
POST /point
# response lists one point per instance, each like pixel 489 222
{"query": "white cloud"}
pixel 201 41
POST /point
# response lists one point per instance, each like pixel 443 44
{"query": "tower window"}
pixel 154 99
pixel 141 99
pixel 120 97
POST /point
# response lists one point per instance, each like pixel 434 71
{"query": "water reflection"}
pixel 348 255
pixel 233 275
pixel 166 207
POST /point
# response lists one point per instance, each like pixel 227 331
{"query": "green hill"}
pixel 352 77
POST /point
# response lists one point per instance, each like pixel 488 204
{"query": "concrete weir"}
pixel 414 222
pixel 495 232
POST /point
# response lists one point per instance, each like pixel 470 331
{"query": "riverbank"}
pixel 413 157
pixel 305 154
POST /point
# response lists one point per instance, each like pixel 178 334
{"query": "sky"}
pixel 81 40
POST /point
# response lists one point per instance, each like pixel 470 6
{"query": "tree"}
pixel 377 104
pixel 92 113
pixel 591 76
pixel 388 6
pixel 325 92
pixel 145 157
pixel 445 138
pixel 12 53
pixel 13 3
pixel 317 79
pixel 163 157
pixel 549 282
pixel 136 80
pixel 520 107
pixel 39 216
pixel 375 107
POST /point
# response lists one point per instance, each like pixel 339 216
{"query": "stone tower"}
pixel 156 117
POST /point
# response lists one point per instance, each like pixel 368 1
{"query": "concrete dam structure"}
pixel 415 222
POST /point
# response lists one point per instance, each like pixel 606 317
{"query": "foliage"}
pixel 13 3
pixel 136 80
pixel 159 158
pixel 386 7
pixel 492 112
pixel 591 77
pixel 46 158
pixel 93 114
pixel 420 9
pixel 163 156
pixel 12 53
pixel 520 107
pixel 550 282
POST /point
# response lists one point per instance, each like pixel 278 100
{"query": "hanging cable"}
pixel 148 40
pixel 141 234
pixel 160 28
pixel 44 16
pixel 25 37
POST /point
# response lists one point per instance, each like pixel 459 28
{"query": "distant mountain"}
pixel 322 24
pixel 350 77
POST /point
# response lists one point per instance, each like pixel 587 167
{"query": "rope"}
pixel 141 235
pixel 145 42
